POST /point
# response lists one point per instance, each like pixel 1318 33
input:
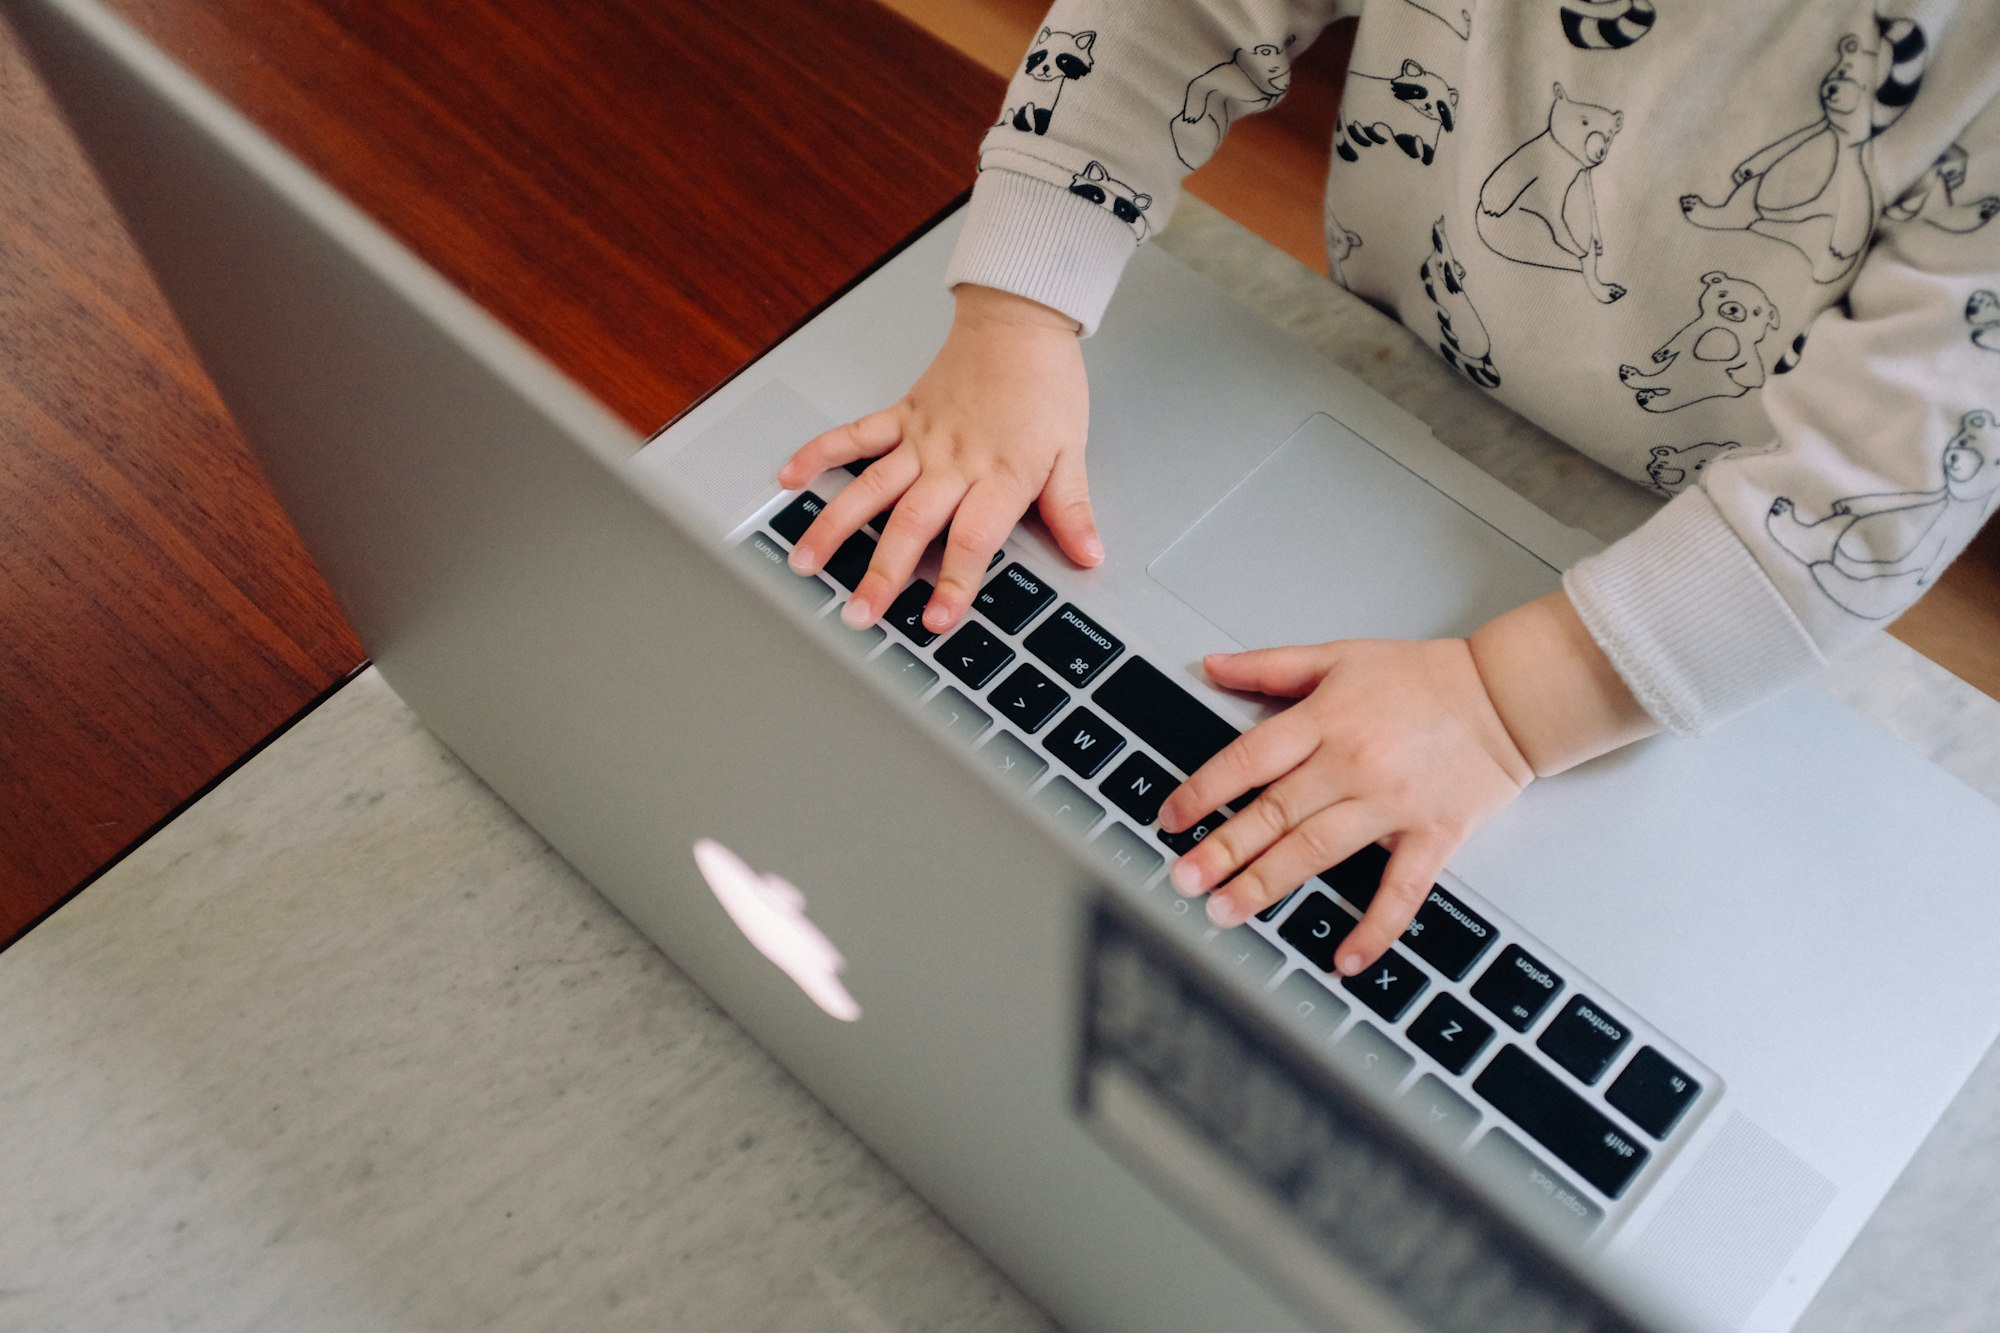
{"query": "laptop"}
pixel 924 874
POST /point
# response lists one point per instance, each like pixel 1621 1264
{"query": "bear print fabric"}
pixel 1812 189
pixel 1933 200
pixel 1539 206
pixel 1737 253
pixel 1715 355
pixel 1250 80
pixel 1874 554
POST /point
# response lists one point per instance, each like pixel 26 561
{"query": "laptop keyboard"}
pixel 1492 1045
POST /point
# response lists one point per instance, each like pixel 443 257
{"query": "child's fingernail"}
pixel 1348 964
pixel 856 614
pixel 802 561
pixel 1093 548
pixel 936 617
pixel 1226 912
pixel 1185 877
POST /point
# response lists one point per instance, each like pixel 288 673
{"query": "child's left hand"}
pixel 1409 743
pixel 1393 741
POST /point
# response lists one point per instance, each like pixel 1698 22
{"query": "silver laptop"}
pixel 1651 1053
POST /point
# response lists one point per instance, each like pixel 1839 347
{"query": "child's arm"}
pixel 1721 599
pixel 1412 744
pixel 996 424
pixel 1064 197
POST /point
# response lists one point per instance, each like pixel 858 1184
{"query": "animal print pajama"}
pixel 1743 254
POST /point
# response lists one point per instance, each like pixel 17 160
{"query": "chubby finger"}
pixel 1290 800
pixel 1326 837
pixel 870 437
pixel 1406 882
pixel 985 516
pixel 1284 673
pixel 920 515
pixel 1065 507
pixel 1260 755
pixel 860 500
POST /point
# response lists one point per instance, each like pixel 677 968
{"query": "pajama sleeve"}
pixel 1111 107
pixel 1883 462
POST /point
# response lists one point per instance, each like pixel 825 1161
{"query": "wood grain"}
pixel 650 193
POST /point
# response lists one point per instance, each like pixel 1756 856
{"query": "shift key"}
pixel 1580 1136
pixel 1075 646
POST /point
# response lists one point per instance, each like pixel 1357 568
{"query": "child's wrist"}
pixel 1555 691
pixel 993 306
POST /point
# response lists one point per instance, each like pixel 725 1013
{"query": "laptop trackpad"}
pixel 1330 538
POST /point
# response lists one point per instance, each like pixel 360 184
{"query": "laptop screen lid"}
pixel 588 653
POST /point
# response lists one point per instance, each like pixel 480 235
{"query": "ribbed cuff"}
pixel 1037 240
pixel 1688 618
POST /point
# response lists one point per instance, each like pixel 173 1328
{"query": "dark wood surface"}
pixel 650 191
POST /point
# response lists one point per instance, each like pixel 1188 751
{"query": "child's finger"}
pixel 1326 837
pixel 1260 755
pixel 873 435
pixel 985 517
pixel 1065 507
pixel 1293 797
pixel 1284 673
pixel 920 515
pixel 1406 882
pixel 860 500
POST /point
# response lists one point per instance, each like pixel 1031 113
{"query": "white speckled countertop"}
pixel 345 1047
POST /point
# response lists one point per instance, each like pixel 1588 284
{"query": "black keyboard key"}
pixel 1316 929
pixel 1517 987
pixel 1163 715
pixel 1013 598
pixel 1028 698
pixel 792 521
pixel 1653 1092
pixel 1447 934
pixel 1139 786
pixel 1358 877
pixel 810 591
pixel 850 562
pixel 1579 1135
pixel 1084 741
pixel 1071 643
pixel 1184 842
pixel 1583 1039
pixel 906 613
pixel 974 655
pixel 1450 1033
pixel 859 465
pixel 1388 985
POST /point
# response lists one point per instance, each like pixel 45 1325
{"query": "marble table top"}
pixel 346 1047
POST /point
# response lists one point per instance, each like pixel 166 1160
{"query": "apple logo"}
pixel 771 913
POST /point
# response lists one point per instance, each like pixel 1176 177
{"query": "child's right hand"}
pixel 995 424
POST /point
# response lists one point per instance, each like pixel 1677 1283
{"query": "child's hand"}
pixel 1393 741
pixel 1412 744
pixel 996 422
